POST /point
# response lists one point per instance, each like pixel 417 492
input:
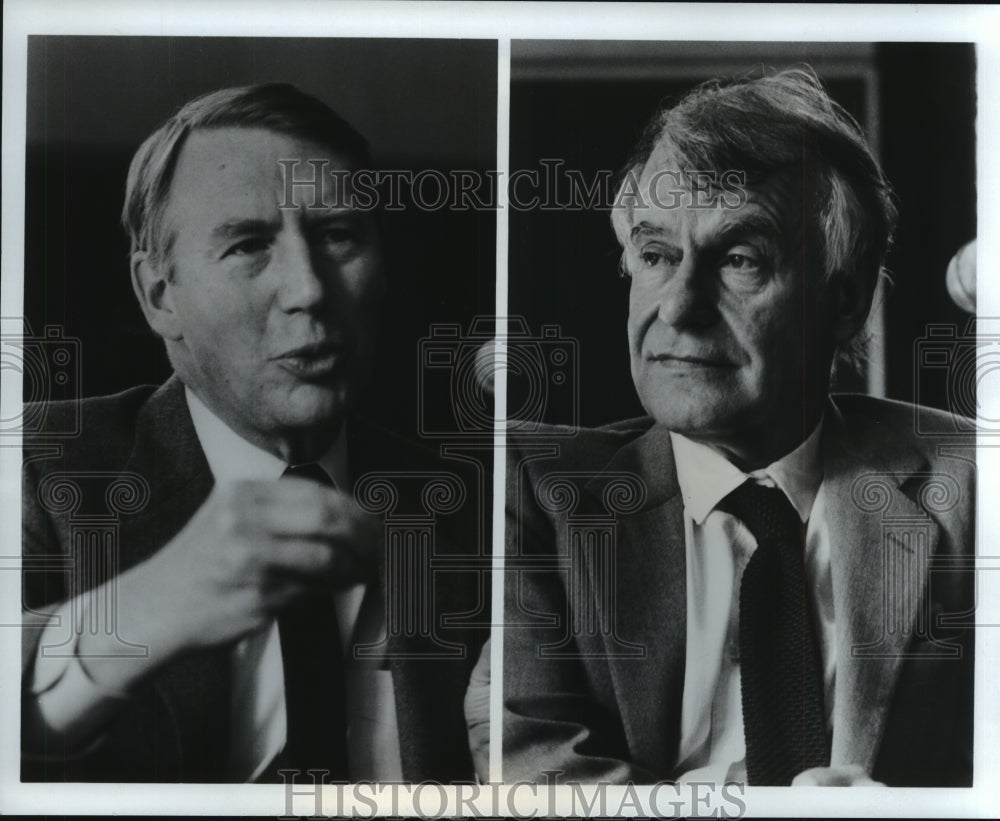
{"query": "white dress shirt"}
pixel 718 547
pixel 258 720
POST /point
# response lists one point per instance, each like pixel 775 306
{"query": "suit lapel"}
pixel 650 610
pixel 878 574
pixel 167 454
pixel 871 480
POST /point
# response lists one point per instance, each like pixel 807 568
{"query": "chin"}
pixel 313 406
pixel 689 415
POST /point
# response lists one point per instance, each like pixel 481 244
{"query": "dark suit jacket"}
pixel 594 654
pixel 176 726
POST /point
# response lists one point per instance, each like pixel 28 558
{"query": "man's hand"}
pixel 850 775
pixel 249 551
pixel 477 714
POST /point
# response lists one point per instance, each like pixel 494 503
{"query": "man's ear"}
pixel 153 288
pixel 851 298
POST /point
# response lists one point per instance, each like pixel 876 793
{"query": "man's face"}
pixel 728 336
pixel 275 307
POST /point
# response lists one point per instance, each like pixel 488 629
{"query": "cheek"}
pixel 642 308
pixel 371 289
pixel 364 278
pixel 764 323
pixel 776 346
pixel 226 319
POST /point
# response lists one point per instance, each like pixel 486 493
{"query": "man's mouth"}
pixel 682 361
pixel 314 361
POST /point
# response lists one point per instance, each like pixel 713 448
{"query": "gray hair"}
pixel 784 122
pixel 278 107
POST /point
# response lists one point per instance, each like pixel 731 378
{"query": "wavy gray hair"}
pixel 784 122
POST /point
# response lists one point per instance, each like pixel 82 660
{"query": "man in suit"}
pixel 759 581
pixel 233 622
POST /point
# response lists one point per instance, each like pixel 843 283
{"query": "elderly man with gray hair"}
pixel 764 610
pixel 245 585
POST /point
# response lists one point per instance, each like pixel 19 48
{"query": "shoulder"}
pixel 889 423
pixel 98 430
pixel 900 415
pixel 559 447
pixel 60 418
pixel 936 448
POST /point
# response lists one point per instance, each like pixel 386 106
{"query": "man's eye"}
pixel 339 238
pixel 740 262
pixel 340 235
pixel 652 257
pixel 744 269
pixel 247 247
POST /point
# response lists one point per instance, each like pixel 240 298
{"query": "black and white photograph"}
pixel 233 532
pixel 772 199
pixel 499 410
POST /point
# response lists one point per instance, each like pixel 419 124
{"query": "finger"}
pixel 254 493
pixel 853 775
pixel 290 507
pixel 808 778
pixel 337 520
pixel 850 775
pixel 307 558
pixel 316 563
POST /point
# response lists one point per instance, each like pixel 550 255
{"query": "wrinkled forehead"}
pixel 249 157
pixel 670 189
pixel 238 176
pixel 239 172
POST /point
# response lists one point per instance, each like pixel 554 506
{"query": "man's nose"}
pixel 303 277
pixel 687 298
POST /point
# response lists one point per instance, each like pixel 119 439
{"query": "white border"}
pixel 500 387
pixel 501 21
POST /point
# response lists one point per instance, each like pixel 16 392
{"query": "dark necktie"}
pixel 780 669
pixel 314 676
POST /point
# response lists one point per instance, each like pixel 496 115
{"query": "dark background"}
pixel 422 104
pixel 586 102
pixel 431 104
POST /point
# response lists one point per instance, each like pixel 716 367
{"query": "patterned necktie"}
pixel 780 668
pixel 314 675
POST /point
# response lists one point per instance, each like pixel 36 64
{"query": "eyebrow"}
pixel 643 227
pixel 334 215
pixel 754 223
pixel 242 227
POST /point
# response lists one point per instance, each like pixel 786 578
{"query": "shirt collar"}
pixel 706 477
pixel 231 458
